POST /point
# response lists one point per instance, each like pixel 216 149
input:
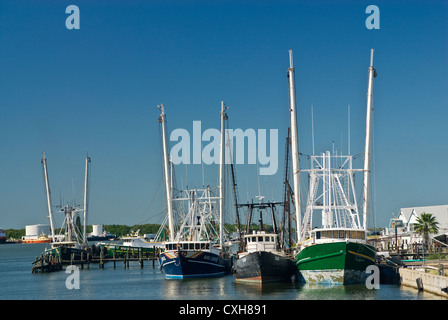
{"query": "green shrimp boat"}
pixel 335 256
pixel 332 233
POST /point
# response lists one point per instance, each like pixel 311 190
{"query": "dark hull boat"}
pixel 71 245
pixel 68 253
pixel 182 264
pixel 197 247
pixel 263 266
pixel 263 260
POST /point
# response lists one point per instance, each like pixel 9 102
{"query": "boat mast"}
pixel 235 196
pixel 86 194
pixel 366 183
pixel 162 120
pixel 47 189
pixel 294 145
pixel 221 175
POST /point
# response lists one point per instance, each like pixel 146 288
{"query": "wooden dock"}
pixel 52 263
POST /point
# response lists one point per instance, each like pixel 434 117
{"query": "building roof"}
pixel 409 215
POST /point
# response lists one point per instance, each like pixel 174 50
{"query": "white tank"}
pixel 37 229
pixel 97 229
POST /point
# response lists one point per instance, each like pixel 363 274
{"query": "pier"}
pixel 52 263
pixel 429 277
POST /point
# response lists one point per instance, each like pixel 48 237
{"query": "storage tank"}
pixel 97 230
pixel 37 229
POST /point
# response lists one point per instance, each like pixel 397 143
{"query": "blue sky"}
pixel 95 90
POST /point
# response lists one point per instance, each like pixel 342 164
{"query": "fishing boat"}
pixel 2 236
pixel 71 243
pixel 43 238
pixel 264 258
pixel 133 242
pixel 333 250
pixel 196 247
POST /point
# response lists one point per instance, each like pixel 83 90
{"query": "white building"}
pixel 32 232
pixel 401 228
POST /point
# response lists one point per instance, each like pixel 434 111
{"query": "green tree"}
pixel 425 225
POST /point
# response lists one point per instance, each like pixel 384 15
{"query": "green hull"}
pixel 335 262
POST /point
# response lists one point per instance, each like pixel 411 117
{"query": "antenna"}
pixel 290 59
pixel 312 126
pixel 348 129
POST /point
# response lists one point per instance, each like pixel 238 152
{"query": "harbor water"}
pixel 148 283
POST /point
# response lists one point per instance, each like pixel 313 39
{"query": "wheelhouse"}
pixel 188 245
pixel 261 241
pixel 338 234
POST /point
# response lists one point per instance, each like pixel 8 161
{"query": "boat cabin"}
pixel 70 244
pixel 338 234
pixel 261 241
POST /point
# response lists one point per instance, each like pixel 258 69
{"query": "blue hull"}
pixel 192 264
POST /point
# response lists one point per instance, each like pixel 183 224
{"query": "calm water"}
pixel 17 282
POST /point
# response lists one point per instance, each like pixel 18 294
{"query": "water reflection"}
pixel 17 282
pixel 335 292
pixel 196 289
pixel 271 290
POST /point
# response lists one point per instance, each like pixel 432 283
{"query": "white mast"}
pixel 166 166
pixel 221 175
pixel 294 145
pixel 366 183
pixel 47 189
pixel 86 195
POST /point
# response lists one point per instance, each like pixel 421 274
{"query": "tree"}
pixel 425 225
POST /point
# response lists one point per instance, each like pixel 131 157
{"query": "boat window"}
pixel 197 246
pixel 317 234
pixel 260 238
pixel 341 234
pixel 185 246
pixel 254 239
pixel 267 239
pixel 191 246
